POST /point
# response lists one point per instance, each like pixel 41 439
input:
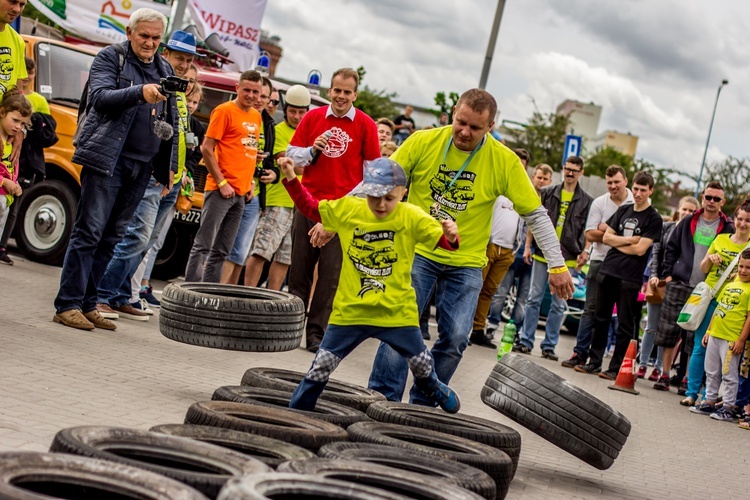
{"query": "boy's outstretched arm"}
pixel 449 239
pixel 302 198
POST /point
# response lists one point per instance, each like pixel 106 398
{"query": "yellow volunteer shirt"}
pixel 12 62
pixel 731 311
pixel 276 194
pixel 375 280
pixel 493 171
pixel 565 199
pixel 38 103
pixel 727 250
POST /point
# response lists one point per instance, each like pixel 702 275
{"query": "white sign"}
pixel 237 24
pixel 102 21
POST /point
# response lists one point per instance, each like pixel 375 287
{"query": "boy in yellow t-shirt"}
pixel 725 341
pixel 378 237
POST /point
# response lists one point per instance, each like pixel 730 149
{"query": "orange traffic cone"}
pixel 626 377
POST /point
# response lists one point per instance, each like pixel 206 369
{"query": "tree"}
pixel 598 163
pixel 543 137
pixel 376 103
pixel 444 107
pixel 734 176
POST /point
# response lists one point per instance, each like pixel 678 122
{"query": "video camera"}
pixel 170 85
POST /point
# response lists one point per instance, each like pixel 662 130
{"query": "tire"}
pixel 288 485
pixel 275 423
pixel 510 302
pixel 561 413
pixel 337 414
pixel 409 484
pixel 46 215
pixel 271 452
pixel 344 393
pixel 465 476
pixel 30 475
pixel 203 466
pixel 476 429
pixel 172 258
pixel 491 460
pixel 231 317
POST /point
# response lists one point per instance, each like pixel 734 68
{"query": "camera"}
pixel 191 141
pixel 172 84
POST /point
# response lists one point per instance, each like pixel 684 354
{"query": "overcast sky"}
pixel 654 66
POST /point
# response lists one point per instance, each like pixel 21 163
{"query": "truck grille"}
pixel 200 172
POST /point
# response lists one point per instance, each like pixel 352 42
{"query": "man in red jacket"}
pixel 329 148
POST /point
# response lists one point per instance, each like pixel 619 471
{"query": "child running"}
pixel 725 341
pixel 15 111
pixel 374 298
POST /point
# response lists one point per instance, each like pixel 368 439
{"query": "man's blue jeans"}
pixel 522 271
pixel 105 210
pixel 150 216
pixel 456 293
pixel 586 326
pixel 539 278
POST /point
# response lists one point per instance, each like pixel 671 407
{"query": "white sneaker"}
pixel 142 305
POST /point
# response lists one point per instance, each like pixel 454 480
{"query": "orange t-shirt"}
pixel 236 133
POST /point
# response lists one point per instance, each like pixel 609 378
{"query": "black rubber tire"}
pixel 491 460
pixel 477 429
pixel 409 484
pixel 231 317
pixel 27 475
pixel 276 423
pixel 465 476
pixel 561 413
pixel 289 485
pixel 352 395
pixel 271 452
pixel 337 414
pixel 203 466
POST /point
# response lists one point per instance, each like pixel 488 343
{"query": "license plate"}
pixel 192 217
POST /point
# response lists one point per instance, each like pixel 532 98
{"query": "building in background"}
pixel 624 143
pixel 584 120
pixel 272 45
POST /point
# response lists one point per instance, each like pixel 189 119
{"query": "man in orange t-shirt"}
pixel 229 152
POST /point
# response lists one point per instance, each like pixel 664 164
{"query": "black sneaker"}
pixel 521 348
pixel 4 257
pixel 575 360
pixel 662 384
pixel 147 294
pixel 549 354
pixel 683 387
pixel 589 368
pixel 477 337
pixel 609 375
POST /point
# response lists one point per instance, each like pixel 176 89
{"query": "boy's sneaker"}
pixel 147 294
pixel 703 409
pixel 142 306
pixel 724 414
pixel 641 373
pixel 655 375
pixel 4 257
pixel 662 384
pixel 683 387
pixel 589 368
pixel 446 398
pixel 575 360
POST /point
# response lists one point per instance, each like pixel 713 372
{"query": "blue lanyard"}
pixel 466 163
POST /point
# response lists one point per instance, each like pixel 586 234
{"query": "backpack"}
pixel 83 103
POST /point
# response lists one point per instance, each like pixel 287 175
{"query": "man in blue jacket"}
pixel 117 144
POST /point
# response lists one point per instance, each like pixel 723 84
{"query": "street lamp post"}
pixel 708 139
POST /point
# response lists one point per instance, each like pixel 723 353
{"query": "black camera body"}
pixel 170 85
pixel 259 172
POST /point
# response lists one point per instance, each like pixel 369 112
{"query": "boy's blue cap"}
pixel 380 177
pixel 182 41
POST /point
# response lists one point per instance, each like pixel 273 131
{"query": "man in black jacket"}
pixel 116 146
pixel 686 248
pixel 568 207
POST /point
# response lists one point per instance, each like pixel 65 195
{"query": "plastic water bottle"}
pixel 509 336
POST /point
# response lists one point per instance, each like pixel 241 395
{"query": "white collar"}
pixel 349 114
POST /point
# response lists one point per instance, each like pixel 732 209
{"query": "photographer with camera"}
pixel 157 204
pixel 230 151
pixel 265 173
pixel 117 142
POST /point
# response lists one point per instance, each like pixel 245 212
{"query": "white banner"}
pixel 101 21
pixel 237 24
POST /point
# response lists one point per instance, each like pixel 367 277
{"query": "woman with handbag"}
pixel 721 254
pixel 655 290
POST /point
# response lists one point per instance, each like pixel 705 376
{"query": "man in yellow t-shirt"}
pixel 568 207
pixel 273 236
pixel 457 173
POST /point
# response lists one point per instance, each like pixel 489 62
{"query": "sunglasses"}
pixel 275 102
pixel 712 198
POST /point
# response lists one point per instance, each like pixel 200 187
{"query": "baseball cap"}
pixel 182 41
pixel 380 177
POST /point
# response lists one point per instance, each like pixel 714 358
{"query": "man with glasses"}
pixel 273 103
pixel 568 206
pixel 686 248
